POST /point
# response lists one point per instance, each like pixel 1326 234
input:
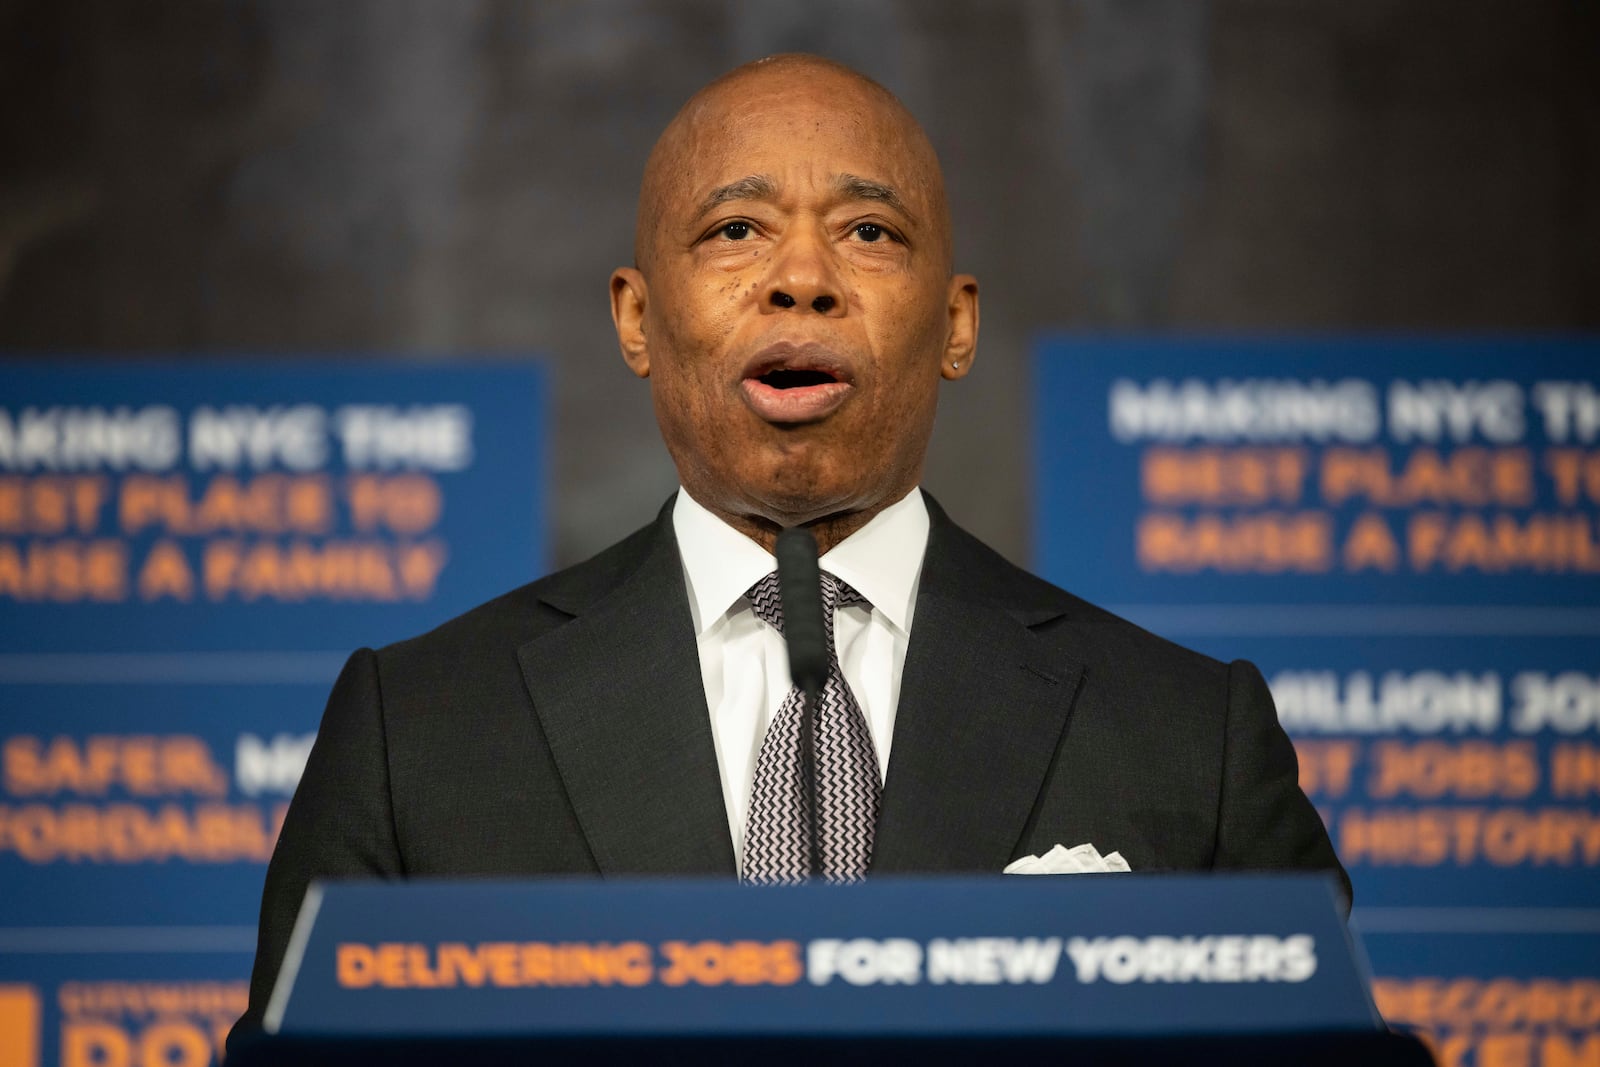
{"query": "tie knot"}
pixel 767 602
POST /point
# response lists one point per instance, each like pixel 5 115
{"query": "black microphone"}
pixel 800 587
pixel 804 632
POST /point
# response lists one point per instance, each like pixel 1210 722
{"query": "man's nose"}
pixel 803 275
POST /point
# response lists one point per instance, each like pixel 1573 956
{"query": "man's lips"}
pixel 790 383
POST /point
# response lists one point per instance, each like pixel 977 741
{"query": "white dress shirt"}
pixel 743 661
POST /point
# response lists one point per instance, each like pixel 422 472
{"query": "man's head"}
pixel 792 302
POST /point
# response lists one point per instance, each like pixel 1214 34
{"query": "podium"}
pixel 1105 968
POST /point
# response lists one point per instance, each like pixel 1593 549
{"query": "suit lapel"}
pixel 984 703
pixel 619 694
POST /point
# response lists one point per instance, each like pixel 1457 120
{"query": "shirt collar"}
pixel 882 560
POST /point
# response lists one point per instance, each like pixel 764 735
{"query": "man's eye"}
pixel 869 231
pixel 736 231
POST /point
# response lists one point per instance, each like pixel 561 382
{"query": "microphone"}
pixel 804 632
pixel 800 588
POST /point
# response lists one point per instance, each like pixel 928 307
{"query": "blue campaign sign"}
pixel 1452 770
pixel 1115 954
pixel 1328 470
pixel 229 506
pixel 1404 534
pixel 119 997
pixel 147 803
pixel 188 552
pixel 1522 991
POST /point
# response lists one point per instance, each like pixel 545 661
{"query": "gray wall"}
pixel 457 176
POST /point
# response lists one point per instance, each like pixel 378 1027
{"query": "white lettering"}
pixel 1568 703
pixel 1570 410
pixel 1435 411
pixel 421 437
pixel 1086 956
pixel 1249 409
pixel 1261 958
pixel 993 960
pixel 1421 702
pixel 89 438
pixel 862 961
pixel 260 767
pixel 258 438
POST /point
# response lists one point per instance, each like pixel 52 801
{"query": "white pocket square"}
pixel 1080 859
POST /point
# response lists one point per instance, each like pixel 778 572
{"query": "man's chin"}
pixel 787 505
pixel 790 483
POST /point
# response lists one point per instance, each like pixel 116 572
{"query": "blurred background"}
pixel 436 177
pixel 413 207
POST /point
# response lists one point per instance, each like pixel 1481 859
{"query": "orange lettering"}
pixel 404 503
pixel 1557 1051
pixel 95 1044
pixel 633 963
pixel 1371 544
pixel 1222 477
pixel 48 505
pixel 422 976
pixel 1262 543
pixel 783 964
pixel 174 1044
pixel 1505 1050
pixel 1326 767
pixel 166 573
pixel 1574 770
pixel 456 959
pixel 64 571
pixel 1468 477
pixel 1468 769
pixel 354 965
pixel 1576 475
pixel 538 964
pixel 500 957
pixel 389 965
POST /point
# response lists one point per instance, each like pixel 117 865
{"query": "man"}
pixel 794 311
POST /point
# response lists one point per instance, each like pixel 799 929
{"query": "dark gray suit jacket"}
pixel 563 729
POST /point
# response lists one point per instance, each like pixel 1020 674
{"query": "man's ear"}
pixel 961 345
pixel 629 294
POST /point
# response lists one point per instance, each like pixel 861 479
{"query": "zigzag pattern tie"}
pixel 848 787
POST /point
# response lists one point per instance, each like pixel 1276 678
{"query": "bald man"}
pixel 793 309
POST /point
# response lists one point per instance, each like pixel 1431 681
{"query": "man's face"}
pixel 795 311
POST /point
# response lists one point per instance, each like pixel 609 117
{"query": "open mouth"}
pixel 787 383
pixel 784 378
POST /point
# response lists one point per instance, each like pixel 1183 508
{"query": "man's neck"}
pixel 828 530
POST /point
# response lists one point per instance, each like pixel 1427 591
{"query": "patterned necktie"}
pixel 848 788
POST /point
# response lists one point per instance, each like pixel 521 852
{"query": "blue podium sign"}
pixel 1089 955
